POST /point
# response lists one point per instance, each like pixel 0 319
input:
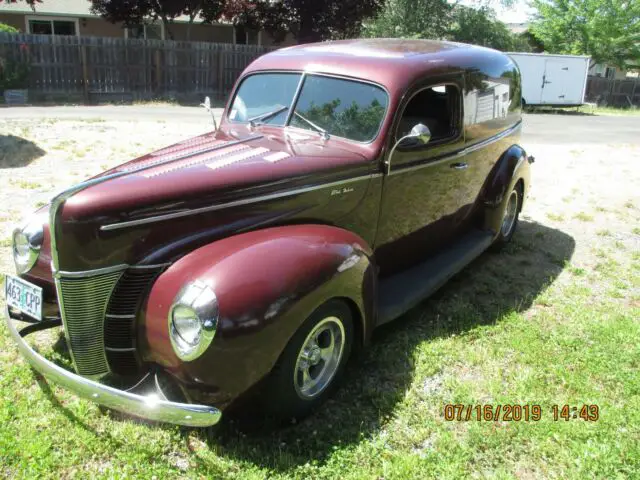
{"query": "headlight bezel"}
pixel 30 236
pixel 201 300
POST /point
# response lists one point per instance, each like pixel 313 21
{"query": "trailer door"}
pixel 555 82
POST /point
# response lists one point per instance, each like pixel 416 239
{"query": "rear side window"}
pixel 437 107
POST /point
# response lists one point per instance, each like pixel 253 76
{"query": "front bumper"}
pixel 147 407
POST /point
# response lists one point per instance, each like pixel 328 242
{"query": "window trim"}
pixel 443 141
pixel 294 101
pixel 51 18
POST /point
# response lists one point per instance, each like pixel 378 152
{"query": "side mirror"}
pixel 207 107
pixel 419 134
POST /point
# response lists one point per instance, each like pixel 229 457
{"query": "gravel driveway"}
pixel 585 181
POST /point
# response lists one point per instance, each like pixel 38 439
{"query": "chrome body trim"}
pixel 236 203
pixel 91 273
pixel 150 408
pixel 182 156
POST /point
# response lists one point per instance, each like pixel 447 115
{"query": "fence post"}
pixel 158 72
pixel 85 73
pixel 220 77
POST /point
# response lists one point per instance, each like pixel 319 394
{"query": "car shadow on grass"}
pixel 493 285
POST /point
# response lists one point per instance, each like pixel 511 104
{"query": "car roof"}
pixel 390 62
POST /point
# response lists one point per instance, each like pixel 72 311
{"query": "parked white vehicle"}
pixel 555 80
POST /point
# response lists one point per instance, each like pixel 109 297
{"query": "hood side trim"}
pixel 236 203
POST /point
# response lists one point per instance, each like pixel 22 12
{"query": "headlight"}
pixel 193 320
pixel 27 242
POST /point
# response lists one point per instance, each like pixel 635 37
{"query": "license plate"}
pixel 24 296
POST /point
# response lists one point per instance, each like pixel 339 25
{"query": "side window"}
pixel 437 107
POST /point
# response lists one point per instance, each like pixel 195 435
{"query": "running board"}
pixel 403 291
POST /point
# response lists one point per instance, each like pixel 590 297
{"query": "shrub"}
pixel 14 74
pixel 8 28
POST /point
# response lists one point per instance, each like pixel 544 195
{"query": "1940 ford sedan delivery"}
pixel 346 182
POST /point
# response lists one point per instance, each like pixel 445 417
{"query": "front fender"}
pixel 267 283
pixel 512 167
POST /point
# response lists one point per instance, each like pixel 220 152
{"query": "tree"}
pixel 608 30
pixel 307 20
pixel 411 19
pixel 479 26
pixel 441 19
pixel 135 12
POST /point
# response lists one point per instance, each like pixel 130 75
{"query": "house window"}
pixel 151 31
pixel 611 72
pixel 52 27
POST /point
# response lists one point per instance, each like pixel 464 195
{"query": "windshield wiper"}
pixel 318 129
pixel 265 116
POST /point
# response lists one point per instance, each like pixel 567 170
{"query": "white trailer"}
pixel 554 80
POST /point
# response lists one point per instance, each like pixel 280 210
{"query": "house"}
pixel 74 17
pixel 609 71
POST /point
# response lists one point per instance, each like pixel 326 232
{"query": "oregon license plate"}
pixel 24 296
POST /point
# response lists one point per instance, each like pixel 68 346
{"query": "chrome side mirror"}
pixel 419 133
pixel 207 107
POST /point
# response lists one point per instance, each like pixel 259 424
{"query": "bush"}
pixel 8 28
pixel 13 74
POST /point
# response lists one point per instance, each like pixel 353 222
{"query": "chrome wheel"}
pixel 319 358
pixel 510 214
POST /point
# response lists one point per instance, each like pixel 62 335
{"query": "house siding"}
pixel 202 33
pixel 97 27
pixel 13 20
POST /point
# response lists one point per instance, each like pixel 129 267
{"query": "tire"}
pixel 510 219
pixel 287 396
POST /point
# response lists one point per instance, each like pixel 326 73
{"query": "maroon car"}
pixel 346 182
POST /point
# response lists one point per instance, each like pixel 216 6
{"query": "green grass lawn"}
pixel 521 327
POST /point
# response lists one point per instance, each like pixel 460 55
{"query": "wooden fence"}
pixel 617 93
pixel 94 69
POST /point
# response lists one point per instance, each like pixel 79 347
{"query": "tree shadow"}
pixel 490 287
pixel 17 151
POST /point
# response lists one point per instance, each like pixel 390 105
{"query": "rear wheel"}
pixel 510 218
pixel 312 363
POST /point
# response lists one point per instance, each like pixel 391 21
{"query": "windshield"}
pixel 262 94
pixel 327 105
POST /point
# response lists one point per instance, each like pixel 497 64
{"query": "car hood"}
pixel 225 167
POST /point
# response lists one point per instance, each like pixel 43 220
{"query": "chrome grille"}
pixel 83 303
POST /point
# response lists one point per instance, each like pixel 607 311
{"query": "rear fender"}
pixel 267 283
pixel 511 167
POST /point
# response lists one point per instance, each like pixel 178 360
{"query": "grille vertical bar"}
pixel 119 326
pixel 83 301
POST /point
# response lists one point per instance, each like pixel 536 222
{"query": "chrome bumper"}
pixel 149 408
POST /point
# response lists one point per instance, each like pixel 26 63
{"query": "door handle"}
pixel 459 165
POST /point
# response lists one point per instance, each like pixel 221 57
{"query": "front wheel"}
pixel 312 363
